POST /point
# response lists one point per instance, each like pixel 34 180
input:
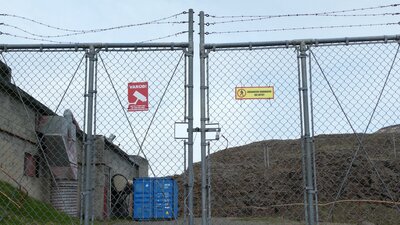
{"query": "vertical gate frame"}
pixel 203 120
pixel 310 188
pixel 190 117
pixel 89 148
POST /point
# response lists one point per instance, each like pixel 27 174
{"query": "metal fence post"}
pixel 310 203
pixel 89 140
pixel 190 118
pixel 203 119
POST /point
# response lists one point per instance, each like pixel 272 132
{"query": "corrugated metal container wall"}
pixel 165 199
pixel 155 198
pixel 143 199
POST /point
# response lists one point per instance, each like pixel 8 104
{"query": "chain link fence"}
pixel 302 132
pixel 355 97
pixel 255 167
pixel 147 137
pixel 256 164
pixel 42 108
pixel 54 156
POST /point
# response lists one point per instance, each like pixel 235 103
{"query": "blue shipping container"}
pixel 142 199
pixel 155 198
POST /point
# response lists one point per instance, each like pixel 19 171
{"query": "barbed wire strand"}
pixel 304 28
pixel 164 37
pixel 60 42
pixel 91 30
pixel 304 14
pixel 33 38
pixel 76 33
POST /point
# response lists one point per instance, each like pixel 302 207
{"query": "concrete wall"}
pixel 142 165
pixel 110 160
pixel 17 137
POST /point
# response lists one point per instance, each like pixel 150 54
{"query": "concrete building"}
pixel 42 152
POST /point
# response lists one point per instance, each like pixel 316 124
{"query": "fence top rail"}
pixel 83 46
pixel 291 43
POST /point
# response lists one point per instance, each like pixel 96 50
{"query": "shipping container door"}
pixel 143 199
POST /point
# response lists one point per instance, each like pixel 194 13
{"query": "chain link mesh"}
pixel 43 134
pixel 40 151
pixel 355 97
pixel 148 136
pixel 256 167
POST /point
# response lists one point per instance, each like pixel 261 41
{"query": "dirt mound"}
pixel 390 129
pixel 350 175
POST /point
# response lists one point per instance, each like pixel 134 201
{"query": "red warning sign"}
pixel 138 94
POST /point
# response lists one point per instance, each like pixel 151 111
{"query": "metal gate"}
pixel 355 100
pixel 97 116
pixel 255 167
pixel 308 131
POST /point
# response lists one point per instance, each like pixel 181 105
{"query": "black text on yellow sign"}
pixel 247 93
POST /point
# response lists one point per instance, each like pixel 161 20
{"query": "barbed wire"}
pixel 91 30
pixel 75 33
pixel 33 38
pixel 60 42
pixel 304 28
pixel 164 37
pixel 304 15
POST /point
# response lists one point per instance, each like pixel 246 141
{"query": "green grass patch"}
pixel 17 208
pixel 268 220
pixel 358 212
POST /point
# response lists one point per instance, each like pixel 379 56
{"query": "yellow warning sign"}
pixel 244 93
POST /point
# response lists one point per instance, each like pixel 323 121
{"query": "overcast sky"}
pixel 91 14
pixel 94 14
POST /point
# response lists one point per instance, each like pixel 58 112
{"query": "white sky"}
pixel 92 14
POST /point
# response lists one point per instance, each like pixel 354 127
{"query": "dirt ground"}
pixel 224 221
pixel 245 185
pixel 245 189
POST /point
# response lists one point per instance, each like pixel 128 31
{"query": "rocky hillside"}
pixel 244 184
